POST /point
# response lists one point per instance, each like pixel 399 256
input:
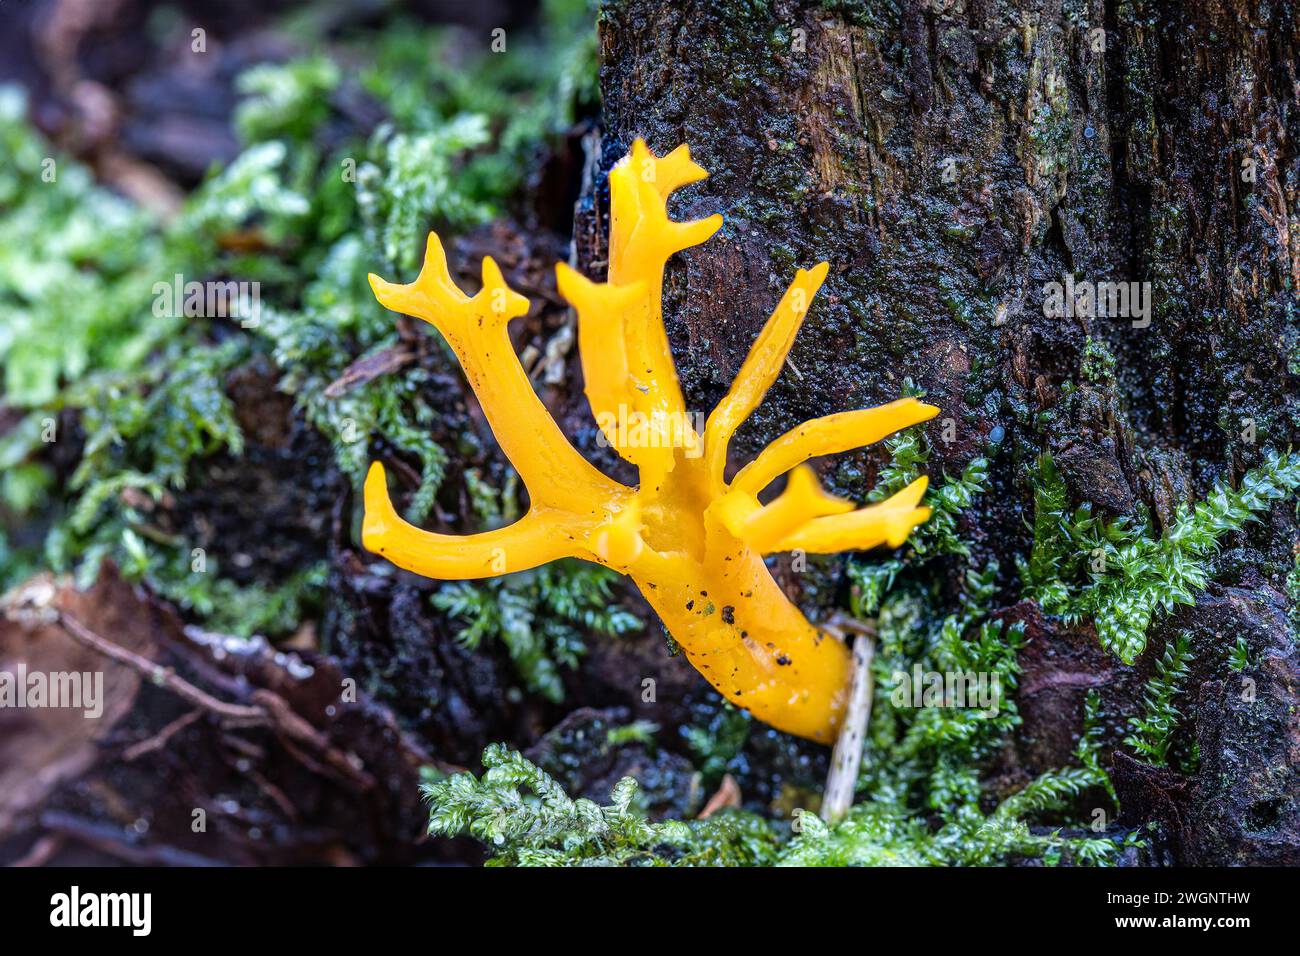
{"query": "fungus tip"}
pixel 433 251
pixel 711 224
pixel 396 297
pixel 913 493
pixel 619 543
pixel 928 411
pixel 378 506
pixel 903 527
pixel 504 302
pixel 382 288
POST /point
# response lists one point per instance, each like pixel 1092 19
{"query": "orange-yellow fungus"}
pixel 692 541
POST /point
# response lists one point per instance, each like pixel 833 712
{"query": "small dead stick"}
pixel 163 676
pixel 847 755
pixel 33 605
pixel 159 740
pixel 42 851
pixel 728 795
pixel 269 709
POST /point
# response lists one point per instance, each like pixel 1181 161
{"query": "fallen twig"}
pixel 157 674
pixel 847 755
pixel 159 740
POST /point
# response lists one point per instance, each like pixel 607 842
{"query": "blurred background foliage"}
pixel 312 202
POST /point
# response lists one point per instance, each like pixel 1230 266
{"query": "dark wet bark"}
pixel 949 159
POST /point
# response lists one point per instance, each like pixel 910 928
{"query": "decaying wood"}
pixel 208 750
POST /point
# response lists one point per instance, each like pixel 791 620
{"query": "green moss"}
pixel 76 267
pixel 77 272
pixel 1120 573
pixel 527 819
pixel 539 616
pixel 1293 592
pixel 909 451
pixel 1151 731
pixel 288 100
pixel 716 745
pixel 1098 361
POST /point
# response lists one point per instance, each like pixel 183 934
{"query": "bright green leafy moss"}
pixel 539 615
pixel 1120 573
pixel 76 267
pixel 1151 730
pixel 84 333
pixel 909 451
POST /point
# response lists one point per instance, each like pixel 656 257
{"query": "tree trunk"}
pixel 950 160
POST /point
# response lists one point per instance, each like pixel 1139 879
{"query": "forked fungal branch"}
pixel 691 540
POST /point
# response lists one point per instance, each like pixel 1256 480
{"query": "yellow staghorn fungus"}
pixel 692 541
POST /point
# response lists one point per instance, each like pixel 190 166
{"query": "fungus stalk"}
pixel 693 541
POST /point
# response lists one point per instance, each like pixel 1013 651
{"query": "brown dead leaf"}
pixel 728 795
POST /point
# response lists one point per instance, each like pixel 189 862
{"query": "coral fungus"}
pixel 692 541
